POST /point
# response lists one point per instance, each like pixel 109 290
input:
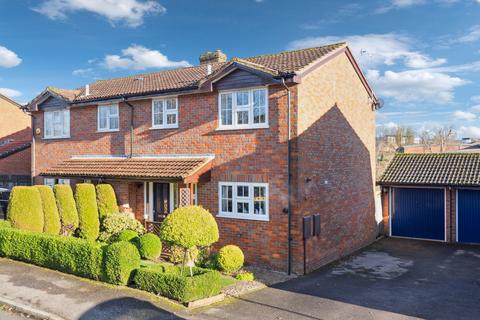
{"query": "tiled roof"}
pixel 171 168
pixel 10 148
pixel 288 62
pixel 452 169
pixel 68 94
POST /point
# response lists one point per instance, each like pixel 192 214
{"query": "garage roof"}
pixel 442 169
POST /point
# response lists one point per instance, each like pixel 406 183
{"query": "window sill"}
pixel 163 127
pixel 56 138
pixel 263 126
pixel 254 218
pixel 103 131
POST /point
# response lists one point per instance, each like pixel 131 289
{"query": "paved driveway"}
pixel 391 279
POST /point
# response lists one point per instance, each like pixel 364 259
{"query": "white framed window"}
pixel 243 200
pixel 57 124
pixel 165 113
pixel 64 181
pixel 49 182
pixel 243 109
pixel 108 118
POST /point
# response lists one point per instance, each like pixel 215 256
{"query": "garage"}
pixel 418 213
pixel 468 215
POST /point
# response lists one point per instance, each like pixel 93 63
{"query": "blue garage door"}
pixel 418 213
pixel 469 216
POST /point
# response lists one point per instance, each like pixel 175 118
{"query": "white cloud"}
pixel 8 58
pixel 475 99
pixel 389 125
pixel 375 49
pixel 87 72
pixel 140 58
pixel 130 12
pixel 11 93
pixel 469 132
pixel 415 86
pixel 472 36
pixel 464 115
pixel 475 108
pixel 399 4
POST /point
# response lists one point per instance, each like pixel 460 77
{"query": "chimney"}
pixel 212 57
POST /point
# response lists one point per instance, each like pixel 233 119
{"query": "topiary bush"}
pixel 230 258
pixel 5 224
pixel 127 235
pixel 245 276
pixel 25 209
pixel 66 208
pixel 121 259
pixel 51 217
pixel 177 254
pixel 115 223
pixel 88 222
pixel 149 246
pixel 106 200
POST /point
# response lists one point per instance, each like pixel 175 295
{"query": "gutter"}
pixel 132 112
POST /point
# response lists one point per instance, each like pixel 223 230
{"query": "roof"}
pixel 286 63
pixel 161 168
pixel 442 169
pixel 10 100
pixel 13 147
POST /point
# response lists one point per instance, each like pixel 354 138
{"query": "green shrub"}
pixel 177 253
pixel 106 200
pixel 121 259
pixel 66 254
pixel 51 217
pixel 25 209
pixel 169 282
pixel 127 235
pixel 66 208
pixel 115 223
pixel 230 258
pixel 149 246
pixel 245 276
pixel 88 223
pixel 188 227
pixel 5 224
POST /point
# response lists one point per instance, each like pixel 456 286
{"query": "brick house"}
pixel 217 135
pixel 15 141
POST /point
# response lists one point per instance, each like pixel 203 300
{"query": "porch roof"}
pixel 168 168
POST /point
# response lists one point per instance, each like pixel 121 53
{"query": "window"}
pixel 243 200
pixel 64 181
pixel 164 113
pixel 108 118
pixel 243 109
pixel 49 182
pixel 57 124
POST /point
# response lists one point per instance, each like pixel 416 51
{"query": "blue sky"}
pixel 422 57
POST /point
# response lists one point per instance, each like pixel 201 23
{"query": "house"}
pixel 261 142
pixel 15 141
pixel 433 197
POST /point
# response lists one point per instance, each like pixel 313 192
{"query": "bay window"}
pixel 243 200
pixel 164 113
pixel 108 118
pixel 57 124
pixel 243 109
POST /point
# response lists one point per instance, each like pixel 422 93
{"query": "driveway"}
pixel 391 279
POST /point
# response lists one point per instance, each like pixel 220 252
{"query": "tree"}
pixel 426 139
pixel 443 136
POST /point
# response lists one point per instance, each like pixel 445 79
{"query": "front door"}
pixel 161 201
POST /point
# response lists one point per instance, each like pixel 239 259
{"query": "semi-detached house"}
pixel 279 148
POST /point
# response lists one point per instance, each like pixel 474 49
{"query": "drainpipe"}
pixel 289 183
pixel 451 212
pixel 32 149
pixel 132 110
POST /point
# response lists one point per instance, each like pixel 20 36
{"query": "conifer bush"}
pixel 66 208
pixel 88 221
pixel 106 200
pixel 51 217
pixel 25 209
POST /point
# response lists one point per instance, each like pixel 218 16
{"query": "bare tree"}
pixel 444 135
pixel 426 139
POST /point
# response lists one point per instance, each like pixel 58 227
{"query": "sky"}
pixel 422 57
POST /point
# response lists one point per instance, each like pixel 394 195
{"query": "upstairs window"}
pixel 57 124
pixel 243 109
pixel 108 118
pixel 165 113
pixel 243 200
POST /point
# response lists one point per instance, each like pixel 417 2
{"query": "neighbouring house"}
pixel 433 197
pixel 217 135
pixel 15 142
pixel 456 146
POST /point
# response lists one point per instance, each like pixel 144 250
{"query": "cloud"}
pixel 472 36
pixel 398 4
pixel 130 12
pixel 11 93
pixel 475 108
pixel 140 58
pixel 87 72
pixel 389 125
pixel 475 99
pixel 464 115
pixel 342 13
pixel 372 50
pixel 415 86
pixel 469 132
pixel 8 58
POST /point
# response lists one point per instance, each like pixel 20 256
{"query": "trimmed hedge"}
pixel 5 224
pixel 88 222
pixel 106 200
pixel 127 235
pixel 25 209
pixel 121 259
pixel 169 282
pixel 230 258
pixel 115 223
pixel 149 246
pixel 245 276
pixel 51 217
pixel 66 254
pixel 66 208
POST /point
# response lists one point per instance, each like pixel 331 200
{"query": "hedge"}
pixel 25 209
pixel 51 217
pixel 88 223
pixel 149 246
pixel 106 200
pixel 230 258
pixel 127 235
pixel 169 282
pixel 121 259
pixel 5 224
pixel 115 223
pixel 66 208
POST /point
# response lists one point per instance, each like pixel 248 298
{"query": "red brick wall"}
pixel 16 164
